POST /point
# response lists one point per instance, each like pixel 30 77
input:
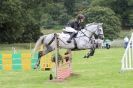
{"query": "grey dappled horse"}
pixel 83 40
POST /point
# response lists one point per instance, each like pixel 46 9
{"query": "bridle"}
pixel 99 30
pixel 90 32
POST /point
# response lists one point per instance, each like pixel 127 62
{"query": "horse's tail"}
pixel 39 42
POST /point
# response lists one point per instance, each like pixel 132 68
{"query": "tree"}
pixel 31 34
pixel 122 8
pixel 32 18
pixel 64 18
pixel 54 13
pixel 11 25
pixel 14 19
pixel 118 6
pixel 111 23
pixel 70 6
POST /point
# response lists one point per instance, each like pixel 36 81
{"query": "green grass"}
pixel 18 46
pixel 100 71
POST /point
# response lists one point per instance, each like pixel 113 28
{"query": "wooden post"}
pixel 70 57
pixel 58 74
pixel 56 55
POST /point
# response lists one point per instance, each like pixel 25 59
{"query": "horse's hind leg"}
pixel 42 53
pixel 38 60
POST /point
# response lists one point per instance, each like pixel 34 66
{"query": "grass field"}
pixel 100 71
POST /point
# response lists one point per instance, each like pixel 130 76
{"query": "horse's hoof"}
pixel 35 68
pixel 85 57
pixel 50 77
pixel 91 55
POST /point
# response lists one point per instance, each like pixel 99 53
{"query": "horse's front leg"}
pixel 87 55
pixel 90 53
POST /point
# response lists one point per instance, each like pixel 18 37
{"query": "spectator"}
pixel 107 43
pixel 126 40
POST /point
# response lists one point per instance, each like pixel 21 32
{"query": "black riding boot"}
pixel 71 36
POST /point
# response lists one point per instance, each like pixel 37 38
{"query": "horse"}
pixel 83 40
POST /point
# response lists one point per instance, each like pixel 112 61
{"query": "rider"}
pixel 77 24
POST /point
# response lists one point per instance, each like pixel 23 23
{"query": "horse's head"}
pixel 99 31
pixel 95 28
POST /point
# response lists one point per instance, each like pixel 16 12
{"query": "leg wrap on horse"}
pixel 40 54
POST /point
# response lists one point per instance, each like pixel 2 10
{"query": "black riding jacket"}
pixel 76 25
